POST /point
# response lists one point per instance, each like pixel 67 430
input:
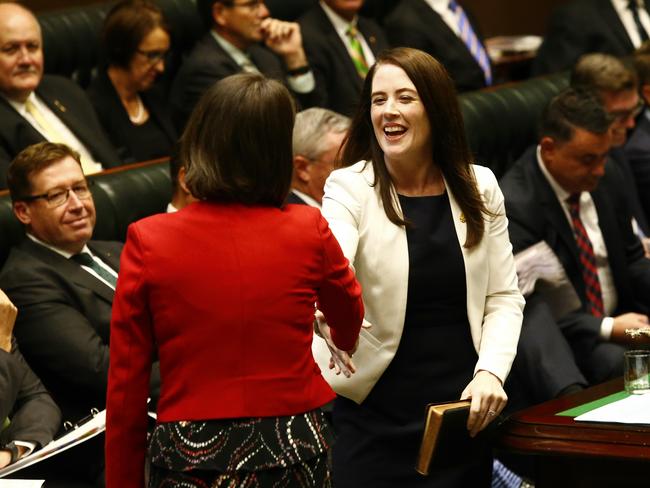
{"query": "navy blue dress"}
pixel 378 441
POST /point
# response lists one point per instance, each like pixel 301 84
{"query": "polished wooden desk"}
pixel 579 454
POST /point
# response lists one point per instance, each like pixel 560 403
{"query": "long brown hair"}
pixel 449 145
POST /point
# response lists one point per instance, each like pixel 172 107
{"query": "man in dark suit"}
pixel 561 192
pixel 616 85
pixel 242 37
pixel 317 138
pixel 637 149
pixel 32 416
pixel 440 27
pixel 340 46
pixel 587 26
pixel 61 281
pixel 35 108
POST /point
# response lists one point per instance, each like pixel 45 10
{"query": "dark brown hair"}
pixel 450 150
pixel 126 25
pixel 31 160
pixel 237 143
pixel 570 109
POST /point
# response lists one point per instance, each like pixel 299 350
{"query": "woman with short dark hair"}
pixel 133 111
pixel 427 234
pixel 223 292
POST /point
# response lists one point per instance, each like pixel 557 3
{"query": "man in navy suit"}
pixel 341 45
pixel 242 37
pixel 616 85
pixel 317 137
pixel 562 192
pixel 35 108
pixel 613 27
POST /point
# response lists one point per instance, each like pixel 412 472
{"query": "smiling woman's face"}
pixel 399 119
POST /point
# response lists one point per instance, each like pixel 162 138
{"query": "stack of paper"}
pixel 634 409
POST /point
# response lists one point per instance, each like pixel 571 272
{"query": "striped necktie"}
pixel 356 51
pixel 472 42
pixel 587 258
pixel 634 8
pixel 86 259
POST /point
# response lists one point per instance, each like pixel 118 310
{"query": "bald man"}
pixel 36 108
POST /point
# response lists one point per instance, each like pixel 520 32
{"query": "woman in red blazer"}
pixel 223 293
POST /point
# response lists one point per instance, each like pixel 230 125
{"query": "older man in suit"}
pixel 562 193
pixel 36 108
pixel 341 45
pixel 242 37
pixel 613 27
pixel 445 30
pixel 32 416
pixel 317 138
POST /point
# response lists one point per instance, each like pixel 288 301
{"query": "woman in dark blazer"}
pixel 132 110
pixel 223 292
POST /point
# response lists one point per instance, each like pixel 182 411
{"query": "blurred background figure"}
pixel 231 320
pixel 616 85
pixel 637 149
pixel 341 46
pixel 579 27
pixel 133 112
pixel 427 234
pixel 446 31
pixel 241 37
pixel 317 139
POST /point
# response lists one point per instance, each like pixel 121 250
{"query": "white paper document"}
pixel 634 409
pixel 21 483
pixel 96 425
pixel 540 270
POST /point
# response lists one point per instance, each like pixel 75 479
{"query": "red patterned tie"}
pixel 587 259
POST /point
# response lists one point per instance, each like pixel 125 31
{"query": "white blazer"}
pixel 378 250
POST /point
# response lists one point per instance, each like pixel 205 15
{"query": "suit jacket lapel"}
pixel 613 22
pixel 68 117
pixel 70 269
pixel 23 134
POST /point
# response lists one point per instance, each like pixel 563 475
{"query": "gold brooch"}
pixel 462 218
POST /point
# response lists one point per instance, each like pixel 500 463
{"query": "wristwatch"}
pixel 13 449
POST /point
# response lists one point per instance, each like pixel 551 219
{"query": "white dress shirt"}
pixel 450 17
pixel 589 217
pixel 303 83
pixel 625 14
pixel 68 136
pixel 341 27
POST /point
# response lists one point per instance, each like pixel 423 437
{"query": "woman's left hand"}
pixel 488 400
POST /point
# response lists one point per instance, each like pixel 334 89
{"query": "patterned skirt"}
pixel 259 452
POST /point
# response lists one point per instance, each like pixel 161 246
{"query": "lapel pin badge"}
pixel 60 106
pixel 462 218
pixel 372 39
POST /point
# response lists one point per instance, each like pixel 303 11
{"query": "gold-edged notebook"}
pixel 445 438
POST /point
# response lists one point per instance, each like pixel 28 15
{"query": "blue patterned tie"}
pixel 474 46
pixel 86 259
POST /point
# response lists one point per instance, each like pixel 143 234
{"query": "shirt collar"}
pixel 240 57
pixel 20 106
pixel 306 198
pixel 340 24
pixel 438 5
pixel 61 252
pixel 560 192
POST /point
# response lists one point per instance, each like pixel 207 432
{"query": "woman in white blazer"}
pixel 427 235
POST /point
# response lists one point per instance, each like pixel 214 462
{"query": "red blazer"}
pixel 225 294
